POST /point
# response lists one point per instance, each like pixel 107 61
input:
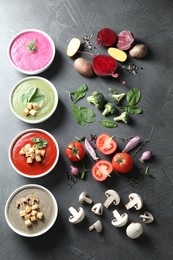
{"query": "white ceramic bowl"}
pixel 35 169
pixel 48 100
pixel 27 61
pixel 47 205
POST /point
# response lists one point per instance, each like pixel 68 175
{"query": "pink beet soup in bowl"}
pixel 33 153
pixel 31 51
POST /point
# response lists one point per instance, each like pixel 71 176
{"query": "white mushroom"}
pixel 97 226
pixel 84 198
pixel 119 220
pixel 147 217
pixel 135 201
pixel 112 197
pixel 76 215
pixel 97 209
pixel 134 230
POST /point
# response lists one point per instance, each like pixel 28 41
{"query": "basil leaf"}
pixel 32 95
pixel 108 123
pixel 83 115
pixel 87 114
pixel 77 115
pixel 133 109
pixel 29 94
pixel 80 92
pixel 37 98
pixel 133 96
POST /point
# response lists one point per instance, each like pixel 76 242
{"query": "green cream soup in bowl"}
pixel 33 99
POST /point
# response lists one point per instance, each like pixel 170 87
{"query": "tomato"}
pixel 106 144
pixel 75 151
pixel 122 162
pixel 101 170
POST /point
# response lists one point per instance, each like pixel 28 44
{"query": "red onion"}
pixel 132 143
pixel 90 150
pixel 145 156
pixel 74 170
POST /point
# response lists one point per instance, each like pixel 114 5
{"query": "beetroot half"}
pixel 125 40
pixel 104 65
pixel 106 37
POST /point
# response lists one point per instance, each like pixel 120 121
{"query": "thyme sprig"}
pixel 32 45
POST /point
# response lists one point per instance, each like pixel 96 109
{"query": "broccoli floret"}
pixel 115 96
pixel 123 117
pixel 97 99
pixel 109 108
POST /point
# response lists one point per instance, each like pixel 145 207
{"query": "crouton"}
pixel 32 112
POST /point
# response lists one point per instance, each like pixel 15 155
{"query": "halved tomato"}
pixel 101 170
pixel 106 144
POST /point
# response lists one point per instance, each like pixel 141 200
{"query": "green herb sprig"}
pixel 39 143
pixel 32 45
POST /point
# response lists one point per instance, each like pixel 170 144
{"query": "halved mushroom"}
pixel 76 215
pixel 135 201
pixel 97 226
pixel 84 198
pixel 120 220
pixel 97 209
pixel 134 230
pixel 147 217
pixel 112 197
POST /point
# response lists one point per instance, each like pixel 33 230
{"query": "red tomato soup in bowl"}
pixel 31 51
pixel 33 153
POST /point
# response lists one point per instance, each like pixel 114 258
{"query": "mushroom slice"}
pixel 147 217
pixel 97 226
pixel 21 203
pixel 135 201
pixel 31 198
pixel 97 209
pixel 76 215
pixel 134 230
pixel 119 220
pixel 84 198
pixel 112 197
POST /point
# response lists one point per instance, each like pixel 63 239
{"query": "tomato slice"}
pixel 106 144
pixel 101 170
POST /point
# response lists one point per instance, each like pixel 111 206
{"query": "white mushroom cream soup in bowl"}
pixel 33 153
pixel 31 210
pixel 31 51
pixel 33 99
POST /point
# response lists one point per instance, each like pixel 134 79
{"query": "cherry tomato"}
pixel 101 170
pixel 75 151
pixel 106 144
pixel 122 162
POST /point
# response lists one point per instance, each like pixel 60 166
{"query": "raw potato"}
pixel 138 51
pixel 83 67
pixel 117 54
pixel 73 47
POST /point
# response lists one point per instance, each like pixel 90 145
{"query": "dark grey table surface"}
pixel 151 23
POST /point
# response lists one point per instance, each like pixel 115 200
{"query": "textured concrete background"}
pixel 151 23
